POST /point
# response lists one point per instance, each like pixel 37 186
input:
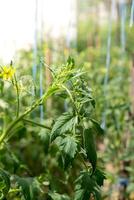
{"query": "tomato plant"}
pixel 67 142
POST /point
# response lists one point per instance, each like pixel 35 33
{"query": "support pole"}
pixel 132 14
pixel 108 59
pixel 35 41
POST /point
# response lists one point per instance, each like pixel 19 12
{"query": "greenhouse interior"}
pixel 67 100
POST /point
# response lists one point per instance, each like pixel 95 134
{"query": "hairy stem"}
pixel 36 124
pixel 18 97
pixel 70 95
pixel 18 119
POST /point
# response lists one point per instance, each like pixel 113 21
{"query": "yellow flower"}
pixel 7 72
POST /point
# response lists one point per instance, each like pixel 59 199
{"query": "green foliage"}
pixel 4 184
pixel 61 144
pixel 29 187
pixel 66 122
pixel 48 156
pixel 68 148
pixel 57 147
pixel 100 177
pixel 97 127
pixel 87 187
pixel 25 187
pixel 89 144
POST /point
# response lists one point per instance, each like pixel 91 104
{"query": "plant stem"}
pixel 48 93
pixel 82 159
pixel 29 110
pixel 36 124
pixel 18 97
pixel 70 95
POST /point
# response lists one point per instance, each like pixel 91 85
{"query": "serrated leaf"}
pixel 86 187
pixel 89 144
pixel 5 182
pixel 68 147
pixel 64 123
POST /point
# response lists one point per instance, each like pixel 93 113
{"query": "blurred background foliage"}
pixel 115 101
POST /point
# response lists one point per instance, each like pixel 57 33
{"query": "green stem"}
pixel 18 97
pixel 49 92
pixel 84 163
pixel 29 110
pixel 36 124
pixel 70 95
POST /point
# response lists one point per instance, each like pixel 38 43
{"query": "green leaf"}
pixel 68 147
pixel 97 127
pixel 25 186
pixel 100 177
pixel 89 144
pixel 30 187
pixel 4 182
pixel 64 123
pixel 86 186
